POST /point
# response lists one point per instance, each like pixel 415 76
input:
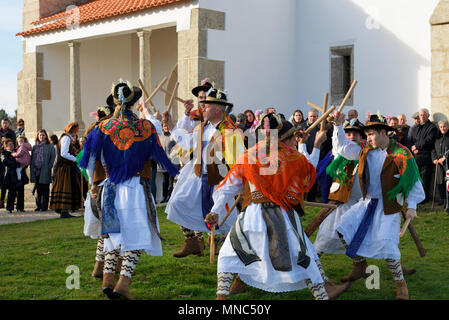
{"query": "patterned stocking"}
pixel 99 255
pixel 224 282
pixel 395 268
pixel 320 267
pixel 110 261
pixel 129 262
pixel 318 290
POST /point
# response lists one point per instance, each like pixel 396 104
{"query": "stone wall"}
pixel 193 64
pixel 440 61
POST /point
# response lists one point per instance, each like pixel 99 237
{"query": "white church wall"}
pixel 259 50
pixel 391 52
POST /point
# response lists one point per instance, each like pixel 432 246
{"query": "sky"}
pixel 10 53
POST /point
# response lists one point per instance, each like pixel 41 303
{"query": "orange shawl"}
pixel 283 175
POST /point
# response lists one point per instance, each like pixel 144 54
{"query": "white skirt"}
pixel 185 206
pixel 261 274
pixel 136 231
pixel 327 239
pixel 381 240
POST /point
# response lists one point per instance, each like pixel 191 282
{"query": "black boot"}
pixel 65 214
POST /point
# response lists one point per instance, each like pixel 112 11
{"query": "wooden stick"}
pixel 414 234
pixel 315 106
pixel 405 226
pixel 322 118
pixel 326 97
pixel 230 210
pixel 145 92
pixel 320 205
pixel 348 95
pixel 176 98
pixel 172 99
pixel 212 245
pixel 157 89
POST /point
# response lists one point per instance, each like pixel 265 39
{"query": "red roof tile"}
pixel 95 10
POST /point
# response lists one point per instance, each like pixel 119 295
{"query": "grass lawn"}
pixel 34 257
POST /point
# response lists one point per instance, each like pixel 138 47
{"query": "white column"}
pixel 76 113
pixel 144 58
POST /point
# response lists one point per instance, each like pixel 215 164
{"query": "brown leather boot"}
pixel 238 286
pixel 333 290
pixel 358 271
pixel 221 297
pixel 98 270
pixel 191 246
pixel 201 245
pixel 121 290
pixel 108 284
pixel 401 290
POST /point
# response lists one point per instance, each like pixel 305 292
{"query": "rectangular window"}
pixel 342 73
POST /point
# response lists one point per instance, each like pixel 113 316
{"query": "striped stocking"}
pixel 129 262
pixel 99 254
pixel 224 282
pixel 318 290
pixel 320 267
pixel 395 268
pixel 110 261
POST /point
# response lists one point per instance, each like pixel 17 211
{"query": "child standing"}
pixel 23 157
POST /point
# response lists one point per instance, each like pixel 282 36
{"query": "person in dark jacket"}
pixel 42 160
pixel 5 133
pixel 422 143
pixel 439 155
pixel 10 180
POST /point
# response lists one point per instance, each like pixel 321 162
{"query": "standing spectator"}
pixel 23 157
pixel 297 118
pixel 42 160
pixel 167 144
pixel 423 141
pixel 54 141
pixel 258 115
pixel 415 118
pixel 250 118
pixel 10 180
pixel 6 132
pixel 353 114
pixel 312 116
pixel 241 121
pixel 403 130
pixel 66 192
pixel 20 131
pixel 439 155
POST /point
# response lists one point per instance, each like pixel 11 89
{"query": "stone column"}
pixel 144 58
pixel 76 113
pixel 193 64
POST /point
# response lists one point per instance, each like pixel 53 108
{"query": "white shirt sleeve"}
pixel 313 158
pixel 416 195
pixel 156 123
pixel 346 148
pixel 65 144
pixel 226 194
pixel 185 123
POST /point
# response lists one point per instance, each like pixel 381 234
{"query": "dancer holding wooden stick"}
pixel 266 247
pixel 388 175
